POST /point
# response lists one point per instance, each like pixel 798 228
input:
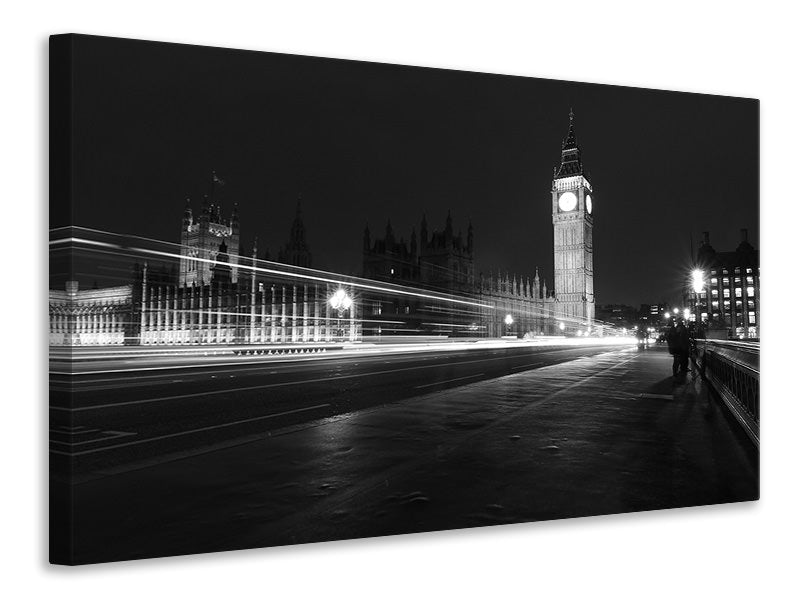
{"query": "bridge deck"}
pixel 598 435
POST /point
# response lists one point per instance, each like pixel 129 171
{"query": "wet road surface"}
pixel 593 435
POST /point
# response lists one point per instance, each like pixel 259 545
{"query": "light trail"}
pixel 327 278
pixel 362 349
pixel 196 395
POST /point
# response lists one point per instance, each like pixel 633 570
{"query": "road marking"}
pixel 526 366
pixel 419 387
pixel 180 433
pixel 111 435
pixel 281 384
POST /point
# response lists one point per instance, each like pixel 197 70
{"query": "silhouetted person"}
pixel 679 345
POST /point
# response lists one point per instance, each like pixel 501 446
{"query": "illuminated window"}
pixel 713 272
pixel 738 292
pixel 724 271
pixel 737 280
pixel 751 291
pixel 751 316
pixel 750 280
pixel 748 270
pixel 713 281
pixel 726 281
pixel 715 304
pixel 737 270
pixel 715 293
pixel 727 304
pixel 751 304
pixel 726 292
pixel 738 304
pixel 715 315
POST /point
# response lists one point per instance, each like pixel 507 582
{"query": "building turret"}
pixel 296 251
pixel 187 215
pixel 389 233
pixel 367 239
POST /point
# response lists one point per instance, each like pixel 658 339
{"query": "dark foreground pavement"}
pixel 597 435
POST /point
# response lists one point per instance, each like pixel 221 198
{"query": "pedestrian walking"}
pixel 679 346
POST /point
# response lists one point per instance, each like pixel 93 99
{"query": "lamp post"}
pixel 509 320
pixel 340 302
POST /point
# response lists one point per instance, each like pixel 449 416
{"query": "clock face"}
pixel 567 201
pixel 589 203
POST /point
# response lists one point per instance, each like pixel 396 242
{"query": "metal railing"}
pixel 732 369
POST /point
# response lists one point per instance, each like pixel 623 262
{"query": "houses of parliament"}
pixel 217 292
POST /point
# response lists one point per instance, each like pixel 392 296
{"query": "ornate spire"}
pixel 570 153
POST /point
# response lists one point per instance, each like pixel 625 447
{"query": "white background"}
pixel 731 48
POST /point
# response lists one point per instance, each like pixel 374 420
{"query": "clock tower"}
pixel 572 238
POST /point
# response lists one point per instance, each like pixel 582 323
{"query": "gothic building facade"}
pixel 221 296
pixel 442 260
pixel 201 237
pixel 446 262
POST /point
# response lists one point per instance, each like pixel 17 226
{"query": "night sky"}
pixel 365 142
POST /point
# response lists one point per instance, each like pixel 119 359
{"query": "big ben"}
pixel 572 239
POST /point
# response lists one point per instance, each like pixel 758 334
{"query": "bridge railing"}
pixel 732 369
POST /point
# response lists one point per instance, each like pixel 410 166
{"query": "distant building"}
pixel 652 315
pixel 617 315
pixel 446 263
pixel 731 296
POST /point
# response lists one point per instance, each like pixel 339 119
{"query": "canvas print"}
pixel 297 299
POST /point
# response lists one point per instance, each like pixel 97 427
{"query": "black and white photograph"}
pixel 297 299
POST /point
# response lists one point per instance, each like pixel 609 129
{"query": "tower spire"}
pixel 570 153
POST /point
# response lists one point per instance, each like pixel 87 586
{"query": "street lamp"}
pixel 697 285
pixel 561 325
pixel 340 302
pixel 509 320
